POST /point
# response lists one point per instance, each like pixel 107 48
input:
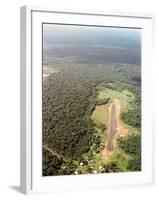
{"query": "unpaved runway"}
pixel 113 129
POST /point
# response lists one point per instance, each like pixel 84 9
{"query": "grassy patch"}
pixel 125 97
pixel 101 112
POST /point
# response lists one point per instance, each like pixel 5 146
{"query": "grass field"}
pixel 100 113
pixel 124 96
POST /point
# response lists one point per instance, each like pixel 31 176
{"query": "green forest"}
pixel 72 140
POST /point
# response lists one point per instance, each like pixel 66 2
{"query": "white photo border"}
pixel 32 181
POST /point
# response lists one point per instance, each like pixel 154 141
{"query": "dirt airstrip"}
pixel 114 129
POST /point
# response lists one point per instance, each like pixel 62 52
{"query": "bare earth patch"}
pixel 123 131
pixel 114 129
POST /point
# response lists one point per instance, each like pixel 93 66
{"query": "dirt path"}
pixel 113 129
pixel 52 152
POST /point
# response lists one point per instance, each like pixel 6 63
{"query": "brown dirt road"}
pixel 113 129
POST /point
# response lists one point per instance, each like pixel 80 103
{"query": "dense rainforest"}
pixel 69 98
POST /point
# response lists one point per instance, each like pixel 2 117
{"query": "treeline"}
pixel 102 101
pixel 133 116
pixel 131 145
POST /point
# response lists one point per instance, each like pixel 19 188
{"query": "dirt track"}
pixel 113 128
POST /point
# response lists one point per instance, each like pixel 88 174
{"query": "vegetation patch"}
pixel 131 145
pixel 121 160
pixel 76 103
